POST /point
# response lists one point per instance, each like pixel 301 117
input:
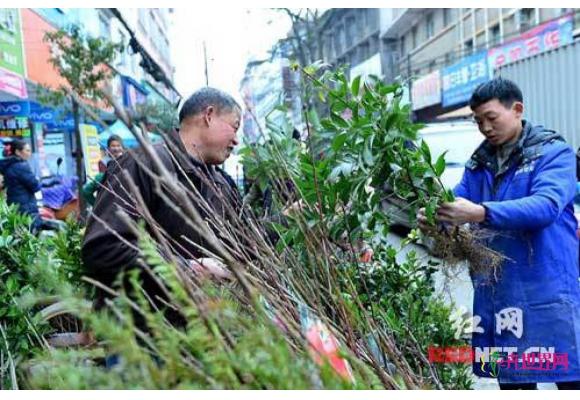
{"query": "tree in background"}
pixel 83 63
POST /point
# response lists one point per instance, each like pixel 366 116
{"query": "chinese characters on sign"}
pixel 13 84
pixel 547 36
pixel 11 50
pixel 91 149
pixel 14 127
pixel 461 79
pixel 426 91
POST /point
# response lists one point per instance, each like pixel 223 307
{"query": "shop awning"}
pixel 463 112
pixel 129 141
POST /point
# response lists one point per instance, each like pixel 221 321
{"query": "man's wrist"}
pixel 479 216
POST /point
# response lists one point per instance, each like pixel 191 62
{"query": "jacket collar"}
pixel 189 163
pixel 528 147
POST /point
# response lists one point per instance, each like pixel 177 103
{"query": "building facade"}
pixel 151 29
pixel 352 37
pixel 143 70
pixel 266 85
pixel 427 41
pixel 440 55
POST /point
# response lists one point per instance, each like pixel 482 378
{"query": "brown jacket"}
pixel 105 255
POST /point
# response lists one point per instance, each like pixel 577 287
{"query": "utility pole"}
pixel 81 173
pixel 205 60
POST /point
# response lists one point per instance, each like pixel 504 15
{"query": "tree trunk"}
pixel 79 160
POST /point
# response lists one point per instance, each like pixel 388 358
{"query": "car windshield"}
pixel 459 144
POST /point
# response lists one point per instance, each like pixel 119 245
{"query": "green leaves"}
pixel 12 285
pixel 448 196
pixel 439 166
pixel 313 68
pixel 343 169
pixel 81 60
pixel 366 136
pixel 338 120
pixel 355 86
pixel 368 156
pixel 426 151
pixel 339 141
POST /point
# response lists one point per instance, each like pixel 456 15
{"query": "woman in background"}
pixel 20 182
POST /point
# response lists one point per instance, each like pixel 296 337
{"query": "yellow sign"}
pixel 91 149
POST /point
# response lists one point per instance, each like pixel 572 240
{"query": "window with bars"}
pixel 351 31
pixel 494 35
pixel 468 47
pixel 446 17
pixel 430 26
pixel 526 18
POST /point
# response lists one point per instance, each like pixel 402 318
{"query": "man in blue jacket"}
pixel 520 185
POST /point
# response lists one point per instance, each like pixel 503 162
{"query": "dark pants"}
pixel 574 385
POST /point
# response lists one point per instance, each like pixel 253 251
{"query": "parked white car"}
pixel 459 139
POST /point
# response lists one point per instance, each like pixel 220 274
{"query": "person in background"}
pixel 20 182
pixel 115 149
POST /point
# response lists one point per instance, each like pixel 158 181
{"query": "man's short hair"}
pixel 504 90
pixel 203 98
pixel 114 138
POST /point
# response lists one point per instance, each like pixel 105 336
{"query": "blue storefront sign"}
pixel 14 108
pixel 133 93
pixel 42 114
pixel 53 119
pixel 461 79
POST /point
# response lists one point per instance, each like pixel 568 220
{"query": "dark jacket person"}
pixel 19 180
pixel 209 121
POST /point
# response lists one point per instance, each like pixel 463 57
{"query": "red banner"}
pixel 13 84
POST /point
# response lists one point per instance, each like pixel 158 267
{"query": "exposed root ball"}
pixel 457 244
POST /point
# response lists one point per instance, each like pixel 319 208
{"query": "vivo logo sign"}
pixel 41 116
pixel 14 108
pixel 67 123
pixel 10 109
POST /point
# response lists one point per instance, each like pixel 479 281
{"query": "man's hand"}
pixel 423 222
pixel 366 256
pixel 210 268
pixel 460 212
pixel 293 208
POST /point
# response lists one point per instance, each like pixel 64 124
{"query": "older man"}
pixel 209 121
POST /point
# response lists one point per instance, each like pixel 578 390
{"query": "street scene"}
pixel 313 199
